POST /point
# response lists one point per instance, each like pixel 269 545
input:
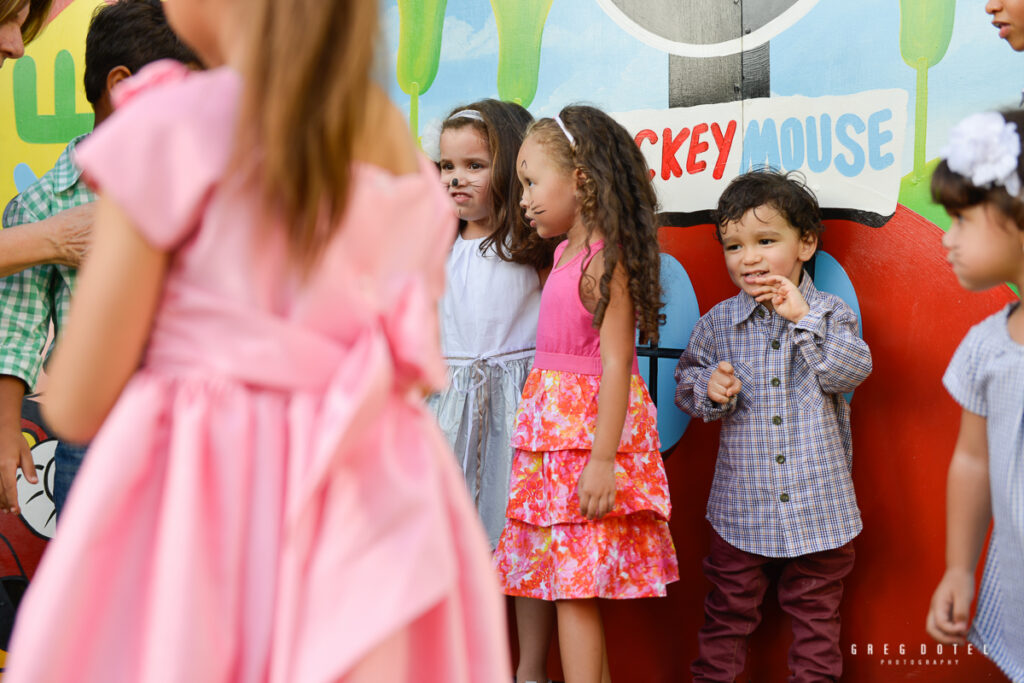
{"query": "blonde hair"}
pixel 38 13
pixel 307 76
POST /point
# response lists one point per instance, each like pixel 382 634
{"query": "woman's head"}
pixel 20 22
pixel 479 143
pixel 612 191
pixel 980 182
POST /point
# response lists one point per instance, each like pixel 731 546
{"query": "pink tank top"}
pixel 566 337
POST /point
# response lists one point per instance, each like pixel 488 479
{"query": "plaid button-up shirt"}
pixel 782 485
pixel 35 297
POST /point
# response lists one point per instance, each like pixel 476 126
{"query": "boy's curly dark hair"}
pixel 615 194
pixel 504 127
pixel 956 193
pixel 787 193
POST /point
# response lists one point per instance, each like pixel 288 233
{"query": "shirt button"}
pixel 776 420
pixel 784 497
pixel 776 381
pixel 780 459
pixel 775 344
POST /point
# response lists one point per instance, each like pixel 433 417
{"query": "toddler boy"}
pixel 773 362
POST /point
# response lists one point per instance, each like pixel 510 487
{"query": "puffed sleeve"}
pixel 160 155
pixel 965 377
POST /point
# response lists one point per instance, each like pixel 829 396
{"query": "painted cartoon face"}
pixel 466 172
pixel 984 247
pixel 1008 18
pixel 11 44
pixel 549 191
pixel 761 243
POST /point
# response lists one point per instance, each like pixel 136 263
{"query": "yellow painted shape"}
pixel 66 32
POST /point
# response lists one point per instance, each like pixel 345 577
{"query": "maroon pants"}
pixel 810 588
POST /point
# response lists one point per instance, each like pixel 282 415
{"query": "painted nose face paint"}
pixel 455 182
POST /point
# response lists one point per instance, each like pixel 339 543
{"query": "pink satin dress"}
pixel 268 500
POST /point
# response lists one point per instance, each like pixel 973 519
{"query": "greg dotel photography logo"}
pixel 902 654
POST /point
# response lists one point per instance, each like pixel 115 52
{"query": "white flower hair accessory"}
pixel 984 148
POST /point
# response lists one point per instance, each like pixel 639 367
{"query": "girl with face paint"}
pixel 489 324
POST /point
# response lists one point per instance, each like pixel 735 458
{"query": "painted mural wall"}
pixel 858 96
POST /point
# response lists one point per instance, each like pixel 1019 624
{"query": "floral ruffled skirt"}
pixel 548 550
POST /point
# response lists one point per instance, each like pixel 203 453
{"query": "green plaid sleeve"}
pixel 25 306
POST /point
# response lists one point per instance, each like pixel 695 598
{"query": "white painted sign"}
pixel 849 147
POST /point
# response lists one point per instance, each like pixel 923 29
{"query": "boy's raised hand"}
pixel 724 384
pixel 947 620
pixel 784 296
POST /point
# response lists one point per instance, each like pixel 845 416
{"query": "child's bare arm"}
pixel 597 482
pixel 831 347
pixel 115 300
pixel 968 513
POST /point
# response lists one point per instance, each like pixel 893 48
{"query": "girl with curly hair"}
pixel 589 506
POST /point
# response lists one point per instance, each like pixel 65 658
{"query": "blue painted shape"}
pixel 681 314
pixel 23 177
pixel 830 277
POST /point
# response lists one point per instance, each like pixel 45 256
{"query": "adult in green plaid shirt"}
pixel 122 38
pixel 29 301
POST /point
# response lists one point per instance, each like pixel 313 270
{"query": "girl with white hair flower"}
pixel 979 184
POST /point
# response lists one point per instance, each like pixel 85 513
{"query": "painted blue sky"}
pixel 839 47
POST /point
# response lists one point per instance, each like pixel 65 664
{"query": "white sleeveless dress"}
pixel 488 333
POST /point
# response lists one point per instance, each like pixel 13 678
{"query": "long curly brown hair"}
pixel 614 194
pixel 503 127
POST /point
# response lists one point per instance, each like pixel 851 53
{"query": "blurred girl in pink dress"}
pixel 266 498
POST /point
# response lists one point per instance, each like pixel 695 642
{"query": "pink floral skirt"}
pixel 548 550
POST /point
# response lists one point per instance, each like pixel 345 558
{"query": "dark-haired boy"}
pixel 772 363
pixel 123 37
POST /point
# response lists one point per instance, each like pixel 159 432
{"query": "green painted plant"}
pixel 419 49
pixel 925 29
pixel 65 123
pixel 520 28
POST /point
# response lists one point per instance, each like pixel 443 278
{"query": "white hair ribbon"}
pixel 467 114
pixel 568 135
